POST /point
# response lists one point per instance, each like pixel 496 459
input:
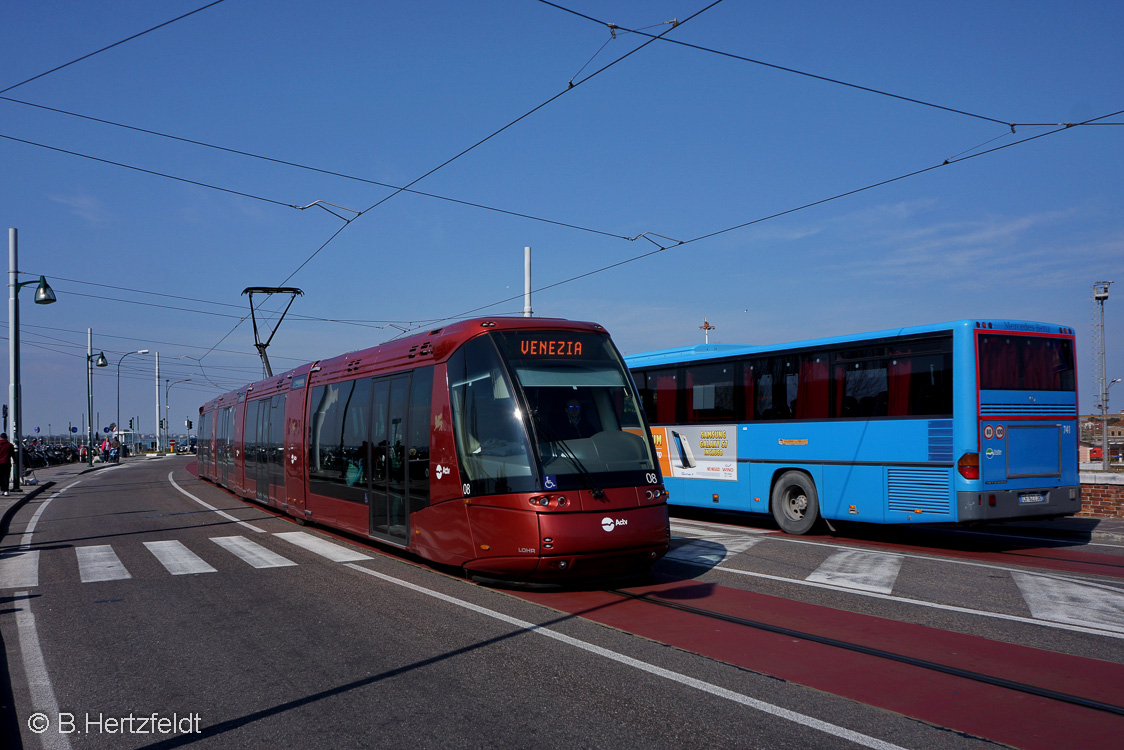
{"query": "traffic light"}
pixel 188 423
pixel 161 424
pixel 130 424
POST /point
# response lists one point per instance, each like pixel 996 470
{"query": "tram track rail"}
pixel 959 672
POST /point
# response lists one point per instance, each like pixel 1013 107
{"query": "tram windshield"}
pixel 546 410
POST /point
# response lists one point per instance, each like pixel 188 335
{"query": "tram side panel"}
pixel 441 530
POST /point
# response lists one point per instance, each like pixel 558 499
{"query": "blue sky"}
pixel 675 142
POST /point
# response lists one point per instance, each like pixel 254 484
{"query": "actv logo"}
pixel 609 524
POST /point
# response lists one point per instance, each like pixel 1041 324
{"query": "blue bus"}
pixel 969 421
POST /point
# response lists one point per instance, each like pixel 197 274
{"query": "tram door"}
pixel 257 426
pixel 226 446
pixel 268 449
pixel 390 519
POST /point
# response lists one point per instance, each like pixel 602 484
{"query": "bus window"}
pixel 1022 363
pixel 710 392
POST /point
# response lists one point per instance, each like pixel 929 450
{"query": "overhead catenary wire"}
pixel 110 46
pixel 778 214
pixel 318 170
pixel 806 74
pixel 489 137
pixel 659 248
pixel 310 318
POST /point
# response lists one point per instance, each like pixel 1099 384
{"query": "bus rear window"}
pixel 1025 363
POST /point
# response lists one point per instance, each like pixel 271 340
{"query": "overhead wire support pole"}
pixel 269 291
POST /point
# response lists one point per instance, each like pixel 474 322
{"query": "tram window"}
pixel 417 440
pixel 276 437
pixel 338 457
pixel 251 436
pixel 490 434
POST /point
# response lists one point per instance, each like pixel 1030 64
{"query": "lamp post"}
pixel 1100 295
pixel 44 295
pixel 91 362
pixel 167 406
pixel 126 354
pixel 1106 461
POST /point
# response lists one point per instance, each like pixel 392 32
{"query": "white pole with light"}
pixel 44 295
pixel 126 354
pixel 157 402
pixel 168 406
pixel 91 362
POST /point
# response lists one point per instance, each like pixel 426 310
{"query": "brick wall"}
pixel 1102 495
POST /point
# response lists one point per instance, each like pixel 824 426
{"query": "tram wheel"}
pixel 794 503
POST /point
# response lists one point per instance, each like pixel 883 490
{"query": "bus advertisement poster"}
pixel 698 451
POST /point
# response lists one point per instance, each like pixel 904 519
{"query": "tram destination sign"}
pixel 556 345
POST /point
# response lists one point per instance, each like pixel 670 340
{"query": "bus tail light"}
pixel 969 466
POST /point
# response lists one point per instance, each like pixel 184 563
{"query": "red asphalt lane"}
pixel 978 709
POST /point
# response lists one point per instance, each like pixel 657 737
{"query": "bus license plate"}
pixel 1034 497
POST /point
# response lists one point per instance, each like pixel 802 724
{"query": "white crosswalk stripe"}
pixel 19 569
pixel 178 559
pixel 99 563
pixel 855 569
pixel 334 552
pixel 251 553
pixel 1060 600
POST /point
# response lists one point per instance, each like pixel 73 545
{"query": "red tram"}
pixel 511 447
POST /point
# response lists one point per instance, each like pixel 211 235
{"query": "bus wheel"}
pixel 794 503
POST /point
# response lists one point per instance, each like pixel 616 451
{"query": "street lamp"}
pixel 126 354
pixel 167 406
pixel 44 295
pixel 91 362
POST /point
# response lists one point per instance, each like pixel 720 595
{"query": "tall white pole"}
pixel 89 397
pixel 157 402
pixel 14 359
pixel 527 282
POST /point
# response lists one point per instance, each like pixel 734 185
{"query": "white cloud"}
pixel 84 206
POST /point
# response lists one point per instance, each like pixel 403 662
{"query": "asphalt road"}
pixel 165 612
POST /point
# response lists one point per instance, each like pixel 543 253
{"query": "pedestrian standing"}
pixel 5 461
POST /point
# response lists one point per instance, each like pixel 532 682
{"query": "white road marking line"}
pixel 178 559
pixel 865 571
pixel 19 569
pixel 1064 601
pixel 333 552
pixel 251 553
pixel 682 679
pixel 702 529
pixel 99 563
pixel 224 514
pixel 931 605
pixel 38 681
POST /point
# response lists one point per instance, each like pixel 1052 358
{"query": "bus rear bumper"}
pixel 998 505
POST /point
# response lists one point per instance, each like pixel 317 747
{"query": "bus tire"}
pixel 794 502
